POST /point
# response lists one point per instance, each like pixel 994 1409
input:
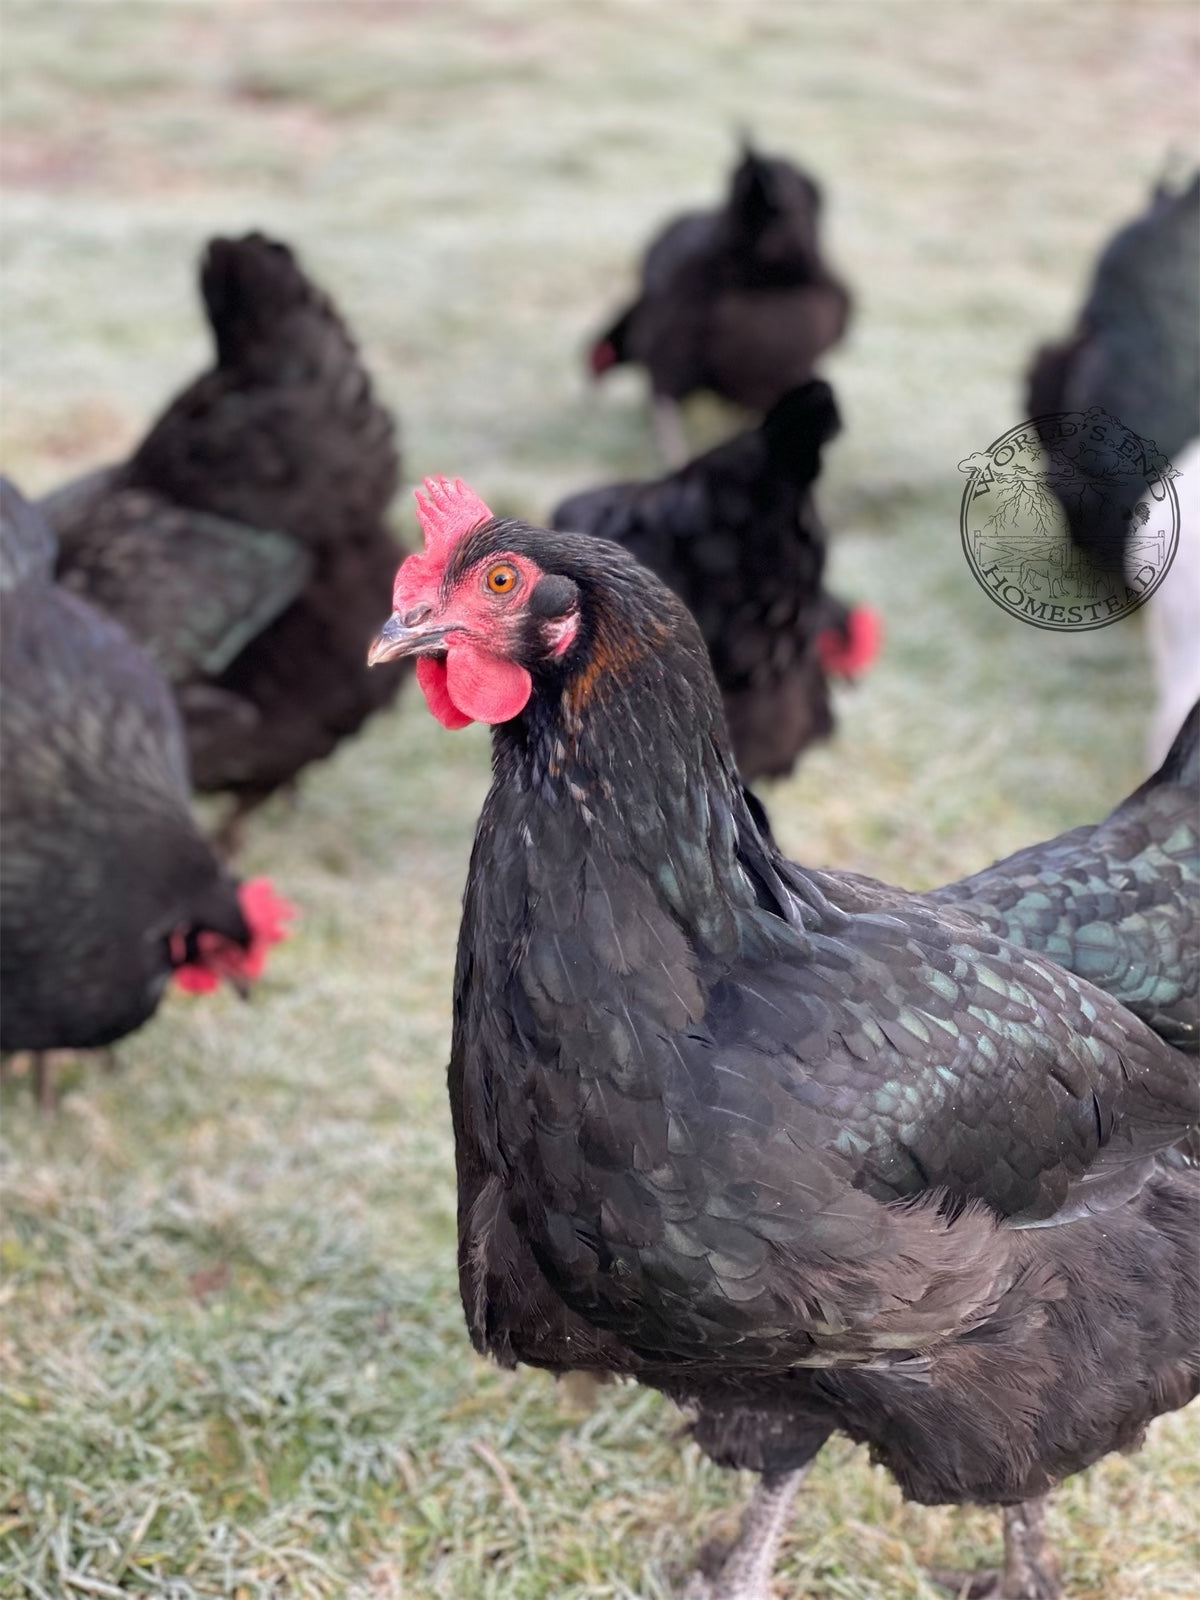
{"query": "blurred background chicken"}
pixel 737 535
pixel 737 300
pixel 1135 354
pixel 107 887
pixel 244 542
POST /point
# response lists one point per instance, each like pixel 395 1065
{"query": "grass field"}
pixel 232 1360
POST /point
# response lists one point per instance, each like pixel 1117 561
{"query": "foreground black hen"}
pixel 737 300
pixel 736 535
pixel 802 1168
pixel 244 543
pixel 107 887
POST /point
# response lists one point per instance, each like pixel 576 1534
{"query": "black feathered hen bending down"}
pixel 802 1168
pixel 107 887
pixel 243 544
pixel 736 534
pixel 737 300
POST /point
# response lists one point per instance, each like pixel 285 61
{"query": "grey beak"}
pixel 395 639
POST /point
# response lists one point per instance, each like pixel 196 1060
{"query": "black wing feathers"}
pixel 205 586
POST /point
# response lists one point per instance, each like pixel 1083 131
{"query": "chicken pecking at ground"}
pixel 736 535
pixel 802 1167
pixel 737 300
pixel 108 890
pixel 243 544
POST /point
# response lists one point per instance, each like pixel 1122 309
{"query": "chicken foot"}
pixel 745 1571
pixel 1030 1567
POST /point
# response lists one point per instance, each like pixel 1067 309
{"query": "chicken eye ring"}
pixel 501 579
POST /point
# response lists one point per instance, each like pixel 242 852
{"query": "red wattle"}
pixel 486 687
pixel 601 356
pixel 472 685
pixel 193 979
pixel 431 675
pixel 848 652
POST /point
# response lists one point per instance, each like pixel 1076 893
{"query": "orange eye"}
pixel 501 579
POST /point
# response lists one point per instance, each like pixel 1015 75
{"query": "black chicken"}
pixel 1134 355
pixel 244 543
pixel 737 300
pixel 107 887
pixel 800 1167
pixel 736 534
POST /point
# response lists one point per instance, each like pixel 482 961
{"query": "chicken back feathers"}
pixel 1117 903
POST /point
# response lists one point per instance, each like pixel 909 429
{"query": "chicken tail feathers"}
pixel 798 426
pixel 285 431
pixel 268 319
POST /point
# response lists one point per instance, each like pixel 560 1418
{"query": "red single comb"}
pixel 445 511
pixel 267 915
